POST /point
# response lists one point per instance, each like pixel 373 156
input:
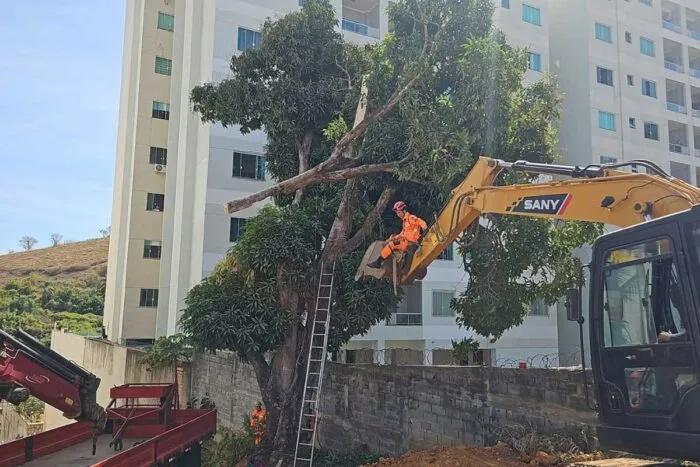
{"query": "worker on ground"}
pixel 407 239
pixel 258 419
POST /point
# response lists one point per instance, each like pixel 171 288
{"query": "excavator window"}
pixel 643 308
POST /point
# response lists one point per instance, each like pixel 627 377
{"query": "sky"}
pixel 60 74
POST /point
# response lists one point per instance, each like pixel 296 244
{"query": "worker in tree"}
pixel 407 239
pixel 258 420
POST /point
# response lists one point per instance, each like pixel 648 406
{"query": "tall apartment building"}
pixel 173 174
pixel 630 72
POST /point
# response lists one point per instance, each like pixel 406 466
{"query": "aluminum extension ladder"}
pixel 308 415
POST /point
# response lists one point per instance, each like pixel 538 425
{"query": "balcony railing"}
pixel 694 34
pixel 673 107
pixel 694 72
pixel 678 148
pixel 405 319
pixel 360 28
pixel 696 112
pixel 673 66
pixel 670 25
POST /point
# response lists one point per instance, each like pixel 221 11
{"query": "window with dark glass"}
pixel 158 156
pixel 161 110
pixel 155 202
pixel 151 249
pixel 248 166
pixel 236 228
pixel 148 298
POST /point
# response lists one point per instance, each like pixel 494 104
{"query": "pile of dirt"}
pixel 457 456
pixel 499 455
pixel 71 261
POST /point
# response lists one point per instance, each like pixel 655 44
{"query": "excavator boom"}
pixel 597 193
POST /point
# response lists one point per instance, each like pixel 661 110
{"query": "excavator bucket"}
pixel 372 253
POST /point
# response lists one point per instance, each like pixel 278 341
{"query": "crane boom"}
pixel 597 193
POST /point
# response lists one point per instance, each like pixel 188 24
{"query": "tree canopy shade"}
pixel 443 89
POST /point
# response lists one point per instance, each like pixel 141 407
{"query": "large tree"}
pixel 443 88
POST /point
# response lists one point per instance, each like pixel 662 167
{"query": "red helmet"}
pixel 399 206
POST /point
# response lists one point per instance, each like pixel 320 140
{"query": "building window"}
pixel 248 166
pixel 606 120
pixel 630 80
pixel 604 75
pixel 155 202
pixel 151 249
pixel 649 88
pixel 608 160
pixel 505 3
pixel 408 311
pixel 603 32
pixel 448 253
pixel 161 110
pixel 441 303
pixel 164 66
pixel 628 37
pixel 534 61
pixel 651 131
pixel 681 171
pixel 646 46
pixel 539 308
pixel 236 228
pixel 158 156
pixel 646 2
pixel 148 298
pixel 248 39
pixel 532 15
pixel 166 21
pixel 633 122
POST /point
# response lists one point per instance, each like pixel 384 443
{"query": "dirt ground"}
pixel 458 456
pixel 475 456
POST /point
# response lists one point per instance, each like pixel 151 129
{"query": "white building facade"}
pixel 630 72
pixel 173 173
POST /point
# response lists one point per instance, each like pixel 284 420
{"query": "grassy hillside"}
pixel 70 262
pixel 61 286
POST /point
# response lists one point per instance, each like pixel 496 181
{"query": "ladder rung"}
pixel 314 373
pixel 307 429
pixel 317 347
pixel 311 387
pixel 311 400
pixel 303 459
pixel 317 334
pixel 305 444
pixel 321 322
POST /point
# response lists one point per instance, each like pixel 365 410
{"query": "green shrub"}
pixel 346 459
pixel 227 448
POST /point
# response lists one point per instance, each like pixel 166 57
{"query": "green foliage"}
pixel 168 351
pixel 462 350
pixel 31 410
pixel 336 129
pixel 346 459
pixel 469 99
pixel 227 448
pixel 37 306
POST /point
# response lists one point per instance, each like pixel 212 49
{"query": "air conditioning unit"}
pixel 159 168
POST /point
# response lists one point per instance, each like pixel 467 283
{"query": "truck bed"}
pixel 80 455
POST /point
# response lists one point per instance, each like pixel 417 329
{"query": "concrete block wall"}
pixel 392 409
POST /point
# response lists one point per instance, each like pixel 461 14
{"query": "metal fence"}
pixel 481 357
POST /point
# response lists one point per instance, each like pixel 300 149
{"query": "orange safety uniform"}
pixel 410 233
pixel 258 417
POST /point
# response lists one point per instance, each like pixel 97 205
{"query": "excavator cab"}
pixel 644 336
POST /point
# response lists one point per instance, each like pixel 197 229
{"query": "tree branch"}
pixel 319 174
pixel 370 221
pixel 303 149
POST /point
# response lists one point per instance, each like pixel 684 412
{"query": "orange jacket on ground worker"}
pixel 413 227
pixel 258 417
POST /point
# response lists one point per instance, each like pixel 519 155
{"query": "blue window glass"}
pixel 531 15
pixel 606 120
pixel 603 32
pixel 505 3
pixel 649 88
pixel 248 39
pixel 534 61
pixel 646 46
pixel 645 2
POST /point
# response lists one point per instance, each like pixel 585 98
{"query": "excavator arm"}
pixel 597 193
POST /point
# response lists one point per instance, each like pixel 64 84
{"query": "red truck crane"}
pixel 147 415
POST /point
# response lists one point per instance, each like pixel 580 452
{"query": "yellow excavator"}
pixel 644 304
